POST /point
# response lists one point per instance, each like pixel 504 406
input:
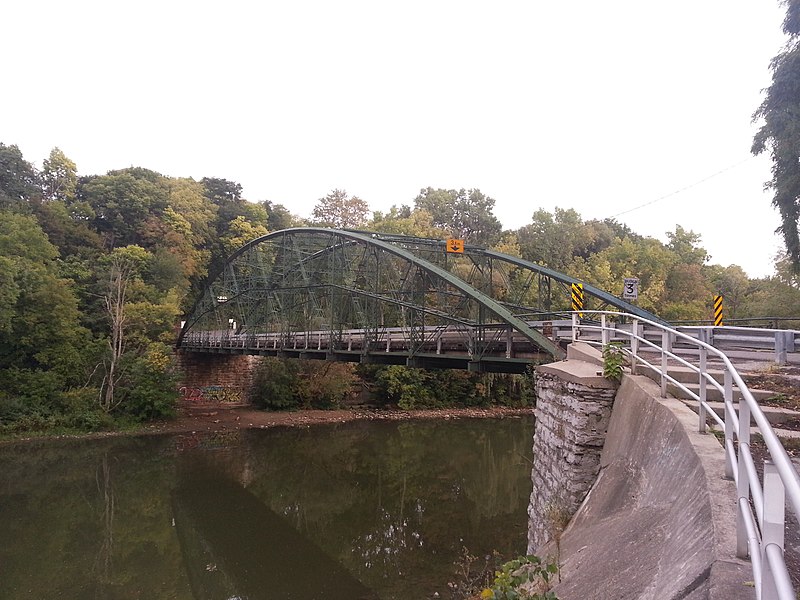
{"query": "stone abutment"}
pixel 572 415
pixel 631 502
pixel 227 375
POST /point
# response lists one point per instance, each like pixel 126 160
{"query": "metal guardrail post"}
pixel 604 332
pixel 743 435
pixel 575 327
pixel 701 410
pixel 780 348
pixel 742 479
pixel 634 344
pixel 666 346
pixel 772 522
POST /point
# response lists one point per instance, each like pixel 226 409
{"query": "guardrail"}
pixel 760 502
pixel 781 342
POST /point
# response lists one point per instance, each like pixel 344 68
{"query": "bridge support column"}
pixel 231 373
pixel 573 410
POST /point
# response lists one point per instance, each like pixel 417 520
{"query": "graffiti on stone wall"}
pixel 210 393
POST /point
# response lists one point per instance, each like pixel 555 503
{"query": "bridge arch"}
pixel 344 294
pixel 522 286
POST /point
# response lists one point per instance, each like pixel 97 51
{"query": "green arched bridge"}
pixel 369 297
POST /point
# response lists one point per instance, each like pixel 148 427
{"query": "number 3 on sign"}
pixel 631 288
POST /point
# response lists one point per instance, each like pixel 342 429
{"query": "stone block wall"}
pixel 572 419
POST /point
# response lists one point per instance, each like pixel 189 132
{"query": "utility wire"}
pixel 683 189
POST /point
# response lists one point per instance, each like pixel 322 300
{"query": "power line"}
pixel 683 189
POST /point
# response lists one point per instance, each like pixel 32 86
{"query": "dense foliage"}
pixel 780 132
pixel 96 271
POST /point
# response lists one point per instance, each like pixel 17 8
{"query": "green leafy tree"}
pixel 464 214
pixel 686 245
pixel 734 285
pixel 69 232
pixel 340 211
pixel 44 351
pixel 240 231
pixel 554 239
pixel 59 177
pixel 403 220
pixel 644 258
pixel 222 191
pixel 19 181
pixel 780 132
pixel 125 264
pixel 278 216
pixel 238 221
pixel 122 201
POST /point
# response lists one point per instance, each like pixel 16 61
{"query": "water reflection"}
pixel 376 509
pixel 235 547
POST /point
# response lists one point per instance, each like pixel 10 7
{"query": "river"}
pixel 355 510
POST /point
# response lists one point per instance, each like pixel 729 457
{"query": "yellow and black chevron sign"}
pixel 577 297
pixel 718 310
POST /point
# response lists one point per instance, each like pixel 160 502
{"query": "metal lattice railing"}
pixel 760 500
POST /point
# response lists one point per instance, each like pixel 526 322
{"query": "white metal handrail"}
pixel 760 524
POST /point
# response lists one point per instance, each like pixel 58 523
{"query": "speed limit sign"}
pixel 630 290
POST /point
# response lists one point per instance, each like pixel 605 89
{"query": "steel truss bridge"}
pixel 368 297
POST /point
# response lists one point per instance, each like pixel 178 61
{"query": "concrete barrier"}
pixel 659 521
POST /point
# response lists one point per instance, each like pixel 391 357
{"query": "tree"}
pixel 59 177
pixel 404 221
pixel 340 211
pixel 780 133
pixel 553 239
pixel 124 265
pixel 70 234
pixel 227 196
pixel 222 191
pixel 464 214
pixel 278 216
pixel 685 244
pixel 122 201
pixel 732 282
pixel 19 181
pixel 239 232
pixel 40 332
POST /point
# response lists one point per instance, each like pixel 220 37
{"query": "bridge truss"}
pixel 367 297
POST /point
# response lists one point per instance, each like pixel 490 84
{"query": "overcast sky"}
pixel 598 106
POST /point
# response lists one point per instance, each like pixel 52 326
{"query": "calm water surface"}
pixel 361 510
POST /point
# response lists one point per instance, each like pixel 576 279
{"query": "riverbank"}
pixel 219 417
pixel 195 418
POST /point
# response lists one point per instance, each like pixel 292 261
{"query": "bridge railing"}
pixel 760 501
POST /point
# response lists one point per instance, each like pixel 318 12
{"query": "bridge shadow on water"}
pixel 233 546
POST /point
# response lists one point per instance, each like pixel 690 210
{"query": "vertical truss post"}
pixel 545 297
pixel 416 315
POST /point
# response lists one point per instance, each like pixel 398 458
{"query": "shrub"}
pixel 525 578
pixel 273 385
pixel 148 391
pixel 613 361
